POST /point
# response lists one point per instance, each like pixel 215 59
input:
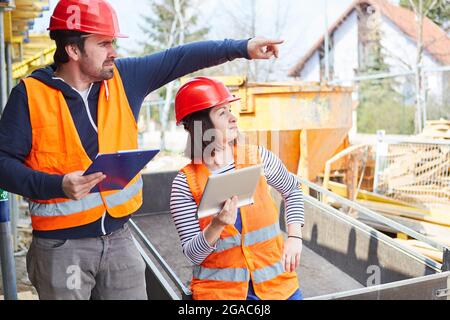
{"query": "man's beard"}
pixel 107 74
pixel 102 74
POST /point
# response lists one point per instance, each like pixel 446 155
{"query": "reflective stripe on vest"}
pixel 124 195
pixel 65 208
pixel 228 274
pixel 238 274
pixel 267 273
pixel 261 235
pixel 250 238
pixel 228 243
pixel 89 202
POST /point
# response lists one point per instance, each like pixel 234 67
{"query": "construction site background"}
pixel 358 138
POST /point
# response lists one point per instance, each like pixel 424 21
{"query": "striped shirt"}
pixel 183 206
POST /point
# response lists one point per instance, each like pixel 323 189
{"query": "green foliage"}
pixel 439 107
pixel 439 13
pixel 158 28
pixel 381 106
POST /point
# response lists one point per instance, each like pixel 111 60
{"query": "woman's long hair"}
pixel 201 135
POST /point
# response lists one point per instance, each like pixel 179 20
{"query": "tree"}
pixel 250 21
pixel 439 13
pixel 171 23
pixel 381 106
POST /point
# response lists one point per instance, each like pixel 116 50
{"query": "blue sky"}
pixel 303 21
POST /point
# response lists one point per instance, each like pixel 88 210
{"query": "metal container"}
pixel 304 124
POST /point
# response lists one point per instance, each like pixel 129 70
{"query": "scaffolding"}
pixel 20 53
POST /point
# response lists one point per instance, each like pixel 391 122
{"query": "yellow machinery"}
pixel 28 52
pixel 37 53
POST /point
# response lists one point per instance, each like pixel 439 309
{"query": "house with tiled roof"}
pixel 366 23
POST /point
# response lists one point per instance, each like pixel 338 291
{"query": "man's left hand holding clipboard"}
pixel 76 186
pixel 108 171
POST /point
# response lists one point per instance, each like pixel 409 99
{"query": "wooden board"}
pixel 408 212
pixel 433 231
pixel 422 248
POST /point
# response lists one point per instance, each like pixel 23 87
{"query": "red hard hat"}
pixel 200 93
pixel 90 16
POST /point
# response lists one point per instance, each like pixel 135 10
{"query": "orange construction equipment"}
pixel 304 124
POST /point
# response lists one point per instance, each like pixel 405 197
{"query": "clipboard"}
pixel 119 167
pixel 241 183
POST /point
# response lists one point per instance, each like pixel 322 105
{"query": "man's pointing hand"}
pixel 262 48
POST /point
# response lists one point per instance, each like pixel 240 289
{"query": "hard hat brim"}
pixel 199 108
pixel 119 35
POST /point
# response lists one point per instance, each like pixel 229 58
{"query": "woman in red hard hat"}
pixel 55 123
pixel 237 254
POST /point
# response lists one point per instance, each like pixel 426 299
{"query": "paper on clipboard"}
pixel 119 167
pixel 241 183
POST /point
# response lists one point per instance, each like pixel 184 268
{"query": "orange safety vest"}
pixel 57 149
pixel 254 253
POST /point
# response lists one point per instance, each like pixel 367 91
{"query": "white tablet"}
pixel 241 183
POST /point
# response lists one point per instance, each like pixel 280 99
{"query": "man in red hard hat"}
pixel 55 123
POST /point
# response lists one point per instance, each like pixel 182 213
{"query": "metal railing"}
pixel 186 293
pixel 431 287
pixel 157 273
pixel 381 219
